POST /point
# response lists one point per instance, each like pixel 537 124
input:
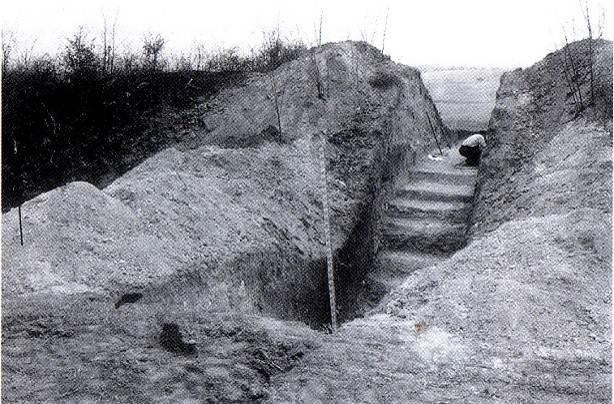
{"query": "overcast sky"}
pixel 491 33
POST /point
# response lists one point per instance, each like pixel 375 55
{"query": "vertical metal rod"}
pixel 444 133
pixel 19 189
pixel 433 131
pixel 20 228
pixel 329 248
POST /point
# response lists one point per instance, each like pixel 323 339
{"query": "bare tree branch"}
pixel 385 27
pixel 587 19
pixel 575 77
pixel 277 102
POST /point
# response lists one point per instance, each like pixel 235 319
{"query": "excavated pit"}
pixel 356 257
pixel 285 283
pixel 304 295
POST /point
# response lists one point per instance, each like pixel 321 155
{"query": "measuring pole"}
pixel 329 248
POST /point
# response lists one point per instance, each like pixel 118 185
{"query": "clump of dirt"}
pixel 128 298
pixel 172 340
pixel 384 80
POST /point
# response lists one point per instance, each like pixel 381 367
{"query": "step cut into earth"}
pixel 427 220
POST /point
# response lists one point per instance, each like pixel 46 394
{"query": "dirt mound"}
pixel 234 211
pixel 544 156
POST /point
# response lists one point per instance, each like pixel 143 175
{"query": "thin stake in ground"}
pixel 276 103
pixel 20 185
pixel 20 227
pixel 329 248
pixel 433 132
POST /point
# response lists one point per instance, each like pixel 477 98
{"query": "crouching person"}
pixel 471 149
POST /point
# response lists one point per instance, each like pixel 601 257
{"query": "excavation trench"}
pixel 279 282
pixel 284 282
pixel 303 294
pixel 297 289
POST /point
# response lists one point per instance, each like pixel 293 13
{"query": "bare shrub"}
pixel 80 60
pixel 86 113
pixel 8 44
pixel 226 60
pixel 152 48
pixel 589 29
pixel 108 45
pixel 315 72
pixel 274 51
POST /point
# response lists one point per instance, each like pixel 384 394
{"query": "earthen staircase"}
pixel 427 219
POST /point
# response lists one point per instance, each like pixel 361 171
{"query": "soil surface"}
pixel 545 156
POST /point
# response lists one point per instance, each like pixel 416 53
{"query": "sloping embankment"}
pixel 234 212
pixel 544 156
